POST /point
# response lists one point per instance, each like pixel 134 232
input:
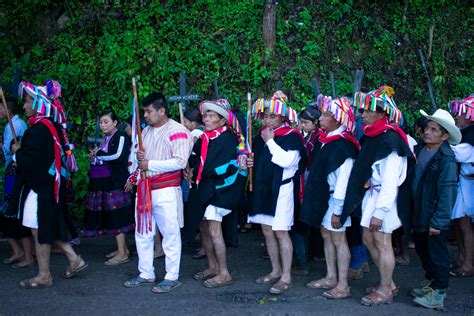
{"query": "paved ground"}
pixel 99 290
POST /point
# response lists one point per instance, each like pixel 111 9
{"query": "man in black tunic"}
pixel 325 192
pixel 44 159
pixel 218 185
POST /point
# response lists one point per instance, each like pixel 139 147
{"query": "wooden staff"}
pixel 7 112
pixel 181 116
pixel 249 137
pixel 137 119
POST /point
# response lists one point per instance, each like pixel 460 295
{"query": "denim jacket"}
pixel 436 192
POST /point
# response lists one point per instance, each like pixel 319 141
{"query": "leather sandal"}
pixel 138 281
pixel 203 275
pixel 35 284
pixel 75 268
pixel 165 286
pixel 116 262
pixel 372 289
pixel 321 284
pixel 280 287
pixel 13 260
pixel 335 293
pixel 212 284
pixel 267 279
pixel 377 298
pixel 461 273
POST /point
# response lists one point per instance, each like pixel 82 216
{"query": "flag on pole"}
pixel 132 160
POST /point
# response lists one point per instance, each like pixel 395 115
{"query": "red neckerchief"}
pixel 57 150
pixel 206 137
pixel 325 139
pixel 382 126
pixel 284 130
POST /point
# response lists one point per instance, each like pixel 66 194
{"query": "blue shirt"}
pixel 20 127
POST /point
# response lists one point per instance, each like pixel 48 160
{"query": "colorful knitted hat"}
pixel 381 97
pixel 46 99
pixel 463 107
pixel 340 108
pixel 277 104
pixel 222 107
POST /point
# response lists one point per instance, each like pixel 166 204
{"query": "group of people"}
pixel 355 183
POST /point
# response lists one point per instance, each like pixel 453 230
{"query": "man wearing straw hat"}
pixel 373 189
pixel 219 184
pixel 167 146
pixel 280 159
pixel 434 188
pixel 325 192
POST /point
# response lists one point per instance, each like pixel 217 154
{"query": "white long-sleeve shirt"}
pixel 288 160
pixel 338 179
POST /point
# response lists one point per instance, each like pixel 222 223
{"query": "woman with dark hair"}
pixel 109 210
pixel 310 124
pixel 193 122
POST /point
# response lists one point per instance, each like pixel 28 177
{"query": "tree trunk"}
pixel 269 25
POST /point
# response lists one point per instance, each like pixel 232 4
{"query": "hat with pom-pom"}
pixel 340 108
pixel 46 99
pixel 464 107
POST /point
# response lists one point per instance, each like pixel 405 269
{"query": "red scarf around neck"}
pixel 325 139
pixel 206 137
pixel 57 150
pixel 284 130
pixel 382 126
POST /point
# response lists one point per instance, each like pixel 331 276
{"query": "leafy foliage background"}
pixel 101 45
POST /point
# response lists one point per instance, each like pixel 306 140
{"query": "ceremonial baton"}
pixel 8 117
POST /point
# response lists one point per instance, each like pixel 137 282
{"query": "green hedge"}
pixel 105 43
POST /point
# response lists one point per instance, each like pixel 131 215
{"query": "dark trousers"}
pixel 433 252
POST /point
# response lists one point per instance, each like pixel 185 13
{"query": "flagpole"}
pixel 249 137
pixel 138 123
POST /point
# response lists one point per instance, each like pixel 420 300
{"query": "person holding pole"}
pixel 12 228
pixel 166 147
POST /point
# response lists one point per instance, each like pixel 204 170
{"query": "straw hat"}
pixel 443 118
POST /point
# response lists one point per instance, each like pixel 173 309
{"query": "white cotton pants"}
pixel 165 216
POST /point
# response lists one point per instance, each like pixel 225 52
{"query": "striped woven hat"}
pixel 340 108
pixel 463 107
pixel 381 97
pixel 277 104
pixel 46 99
